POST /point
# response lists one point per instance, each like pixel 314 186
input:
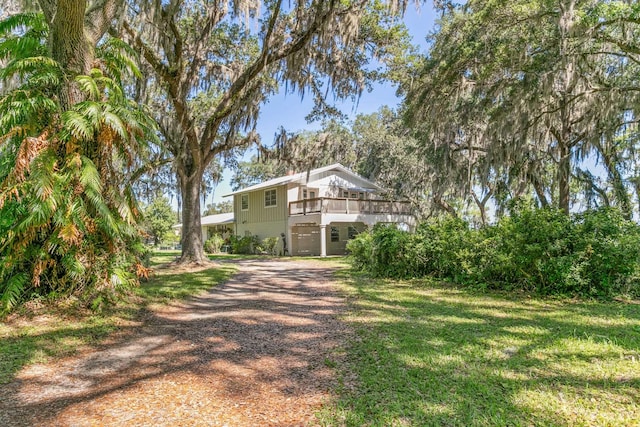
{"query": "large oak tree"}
pixel 213 63
pixel 523 86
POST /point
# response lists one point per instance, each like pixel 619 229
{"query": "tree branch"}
pixel 98 17
pixel 265 59
pixel 171 81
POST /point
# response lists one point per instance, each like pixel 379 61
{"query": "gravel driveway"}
pixel 255 351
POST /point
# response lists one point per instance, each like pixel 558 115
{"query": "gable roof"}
pixel 302 177
pixel 218 219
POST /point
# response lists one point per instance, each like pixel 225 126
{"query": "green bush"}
pixel 607 255
pixel 244 245
pixel 593 254
pixel 530 250
pixel 359 249
pixel 268 245
pixel 214 244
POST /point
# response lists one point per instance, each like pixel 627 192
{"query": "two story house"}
pixel 316 211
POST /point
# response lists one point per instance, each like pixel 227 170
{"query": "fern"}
pixel 12 24
pixel 63 173
pixel 89 85
pixel 76 125
pixel 13 291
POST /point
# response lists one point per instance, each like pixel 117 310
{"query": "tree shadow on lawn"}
pixel 60 332
pixel 437 355
pixel 267 330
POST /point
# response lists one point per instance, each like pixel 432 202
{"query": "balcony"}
pixel 348 206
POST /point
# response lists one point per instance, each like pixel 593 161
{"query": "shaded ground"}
pixel 254 351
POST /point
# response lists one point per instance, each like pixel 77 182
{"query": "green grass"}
pixel 56 331
pixel 428 354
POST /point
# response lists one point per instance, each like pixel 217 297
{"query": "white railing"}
pixel 348 206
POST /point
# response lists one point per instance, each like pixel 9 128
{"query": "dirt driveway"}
pixel 255 351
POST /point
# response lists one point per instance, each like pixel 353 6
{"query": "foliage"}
pixel 255 171
pixel 506 104
pixel 593 254
pixel 214 65
pixel 214 244
pixel 70 213
pixel 268 245
pixel 159 217
pixel 244 245
pixel 65 330
pixel 219 208
pixel 431 354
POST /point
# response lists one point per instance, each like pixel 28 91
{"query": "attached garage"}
pixel 305 240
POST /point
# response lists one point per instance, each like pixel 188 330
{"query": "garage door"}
pixel 305 240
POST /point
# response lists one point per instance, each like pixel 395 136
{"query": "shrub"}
pixel 214 244
pixel 531 250
pixel 389 246
pixel 244 245
pixel 593 254
pixel 268 245
pixel 360 248
pixel 607 257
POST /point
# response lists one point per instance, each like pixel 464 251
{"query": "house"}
pixel 316 211
pixel 221 224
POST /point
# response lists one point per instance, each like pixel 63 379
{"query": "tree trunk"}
pixel 71 47
pixel 635 181
pixel 442 204
pixel 482 205
pixel 564 172
pixel 539 189
pixel 619 190
pixel 192 244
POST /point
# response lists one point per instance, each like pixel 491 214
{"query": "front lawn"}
pixel 426 354
pixel 45 332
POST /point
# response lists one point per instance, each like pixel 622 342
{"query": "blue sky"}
pixel 288 111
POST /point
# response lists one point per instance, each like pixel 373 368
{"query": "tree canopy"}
pixel 514 90
pixel 213 66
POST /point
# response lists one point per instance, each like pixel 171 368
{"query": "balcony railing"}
pixel 348 206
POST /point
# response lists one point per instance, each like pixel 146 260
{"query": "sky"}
pixel 288 111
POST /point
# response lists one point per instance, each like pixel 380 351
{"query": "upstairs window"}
pixel 244 202
pixel 270 198
pixel 308 194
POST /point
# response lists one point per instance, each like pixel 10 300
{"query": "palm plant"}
pixel 70 215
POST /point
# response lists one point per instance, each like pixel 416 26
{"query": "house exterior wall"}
pixel 259 220
pixel 342 228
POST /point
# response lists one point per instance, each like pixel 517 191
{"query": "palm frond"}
pixel 13 291
pixel 21 67
pixel 89 86
pixel 22 21
pixel 76 125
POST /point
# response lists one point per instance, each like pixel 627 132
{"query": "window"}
pixel 270 198
pixel 345 194
pixel 335 234
pixel 354 195
pixel 244 202
pixel 352 233
pixel 308 194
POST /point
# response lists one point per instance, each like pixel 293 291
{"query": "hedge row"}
pixel 594 254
